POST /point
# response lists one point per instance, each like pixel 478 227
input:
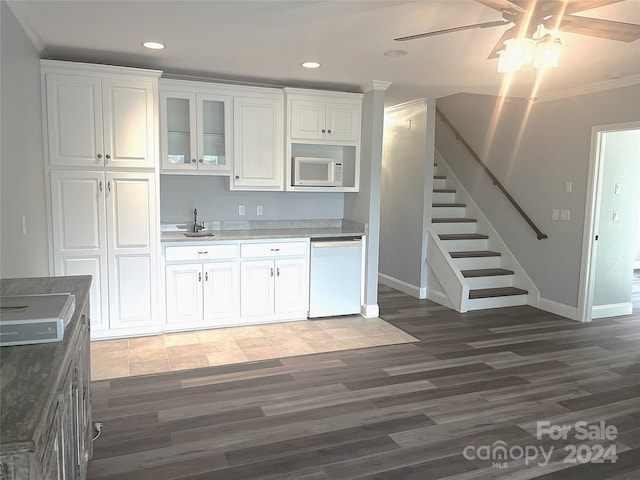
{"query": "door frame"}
pixel 592 216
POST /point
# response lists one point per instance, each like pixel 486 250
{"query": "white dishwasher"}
pixel 335 277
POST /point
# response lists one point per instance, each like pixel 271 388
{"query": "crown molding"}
pixel 419 102
pixel 375 85
pixel 586 89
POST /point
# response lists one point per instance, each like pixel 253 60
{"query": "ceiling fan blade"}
pixel 512 32
pixel 454 29
pixel 502 5
pixel 574 6
pixel 595 27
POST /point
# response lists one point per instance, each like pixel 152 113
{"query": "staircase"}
pixel 484 280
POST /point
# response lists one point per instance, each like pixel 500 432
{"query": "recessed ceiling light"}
pixel 395 53
pixel 153 45
pixel 310 64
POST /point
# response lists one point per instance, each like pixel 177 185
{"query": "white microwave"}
pixel 317 172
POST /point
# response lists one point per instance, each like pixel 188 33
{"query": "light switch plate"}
pixel 565 214
pixel 241 210
pixel 617 190
pixel 555 214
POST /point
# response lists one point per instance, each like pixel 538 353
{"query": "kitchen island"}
pixel 45 402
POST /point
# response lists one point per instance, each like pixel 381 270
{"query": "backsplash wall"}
pixel 180 194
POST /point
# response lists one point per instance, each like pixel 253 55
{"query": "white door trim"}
pixel 592 216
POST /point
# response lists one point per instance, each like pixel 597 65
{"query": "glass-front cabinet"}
pixel 196 132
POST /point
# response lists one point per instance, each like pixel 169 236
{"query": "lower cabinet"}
pixel 213 284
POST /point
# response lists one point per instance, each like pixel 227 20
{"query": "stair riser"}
pixel 439 197
pixel 454 227
pixel 496 302
pixel 475 263
pixel 462 245
pixel 448 212
pixel 495 281
pixel 439 183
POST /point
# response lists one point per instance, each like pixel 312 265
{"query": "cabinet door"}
pixel 79 237
pixel 128 113
pixel 258 143
pixel 308 119
pixel 221 289
pixel 131 240
pixel 184 293
pixel 74 120
pixel 178 131
pixel 214 138
pixel 256 291
pixel 343 122
pixel 291 285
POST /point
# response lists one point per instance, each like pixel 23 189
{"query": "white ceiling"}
pixel 265 42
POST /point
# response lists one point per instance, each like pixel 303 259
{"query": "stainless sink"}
pixel 199 234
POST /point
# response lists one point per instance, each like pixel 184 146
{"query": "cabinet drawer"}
pixel 273 249
pixel 201 252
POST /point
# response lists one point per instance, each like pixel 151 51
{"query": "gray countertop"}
pixel 30 374
pixel 274 230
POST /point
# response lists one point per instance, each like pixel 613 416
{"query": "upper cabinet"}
pixel 100 116
pixel 324 126
pixel 318 119
pixel 258 142
pixel 196 128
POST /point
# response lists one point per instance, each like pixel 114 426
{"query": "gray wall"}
pixel 180 194
pixel 616 243
pixel 21 155
pixel 364 206
pixel 407 172
pixel 534 150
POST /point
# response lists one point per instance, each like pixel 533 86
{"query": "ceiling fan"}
pixel 527 15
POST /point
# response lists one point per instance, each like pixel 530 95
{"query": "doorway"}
pixel 611 215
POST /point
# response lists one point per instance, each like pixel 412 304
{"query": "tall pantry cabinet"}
pixel 102 169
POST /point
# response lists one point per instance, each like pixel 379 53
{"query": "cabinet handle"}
pixel 272 271
pixel 200 160
pixel 199 276
pixel 193 160
pixel 278 272
pixel 100 186
pixel 203 253
pixel 109 186
pixel 275 249
pixel 206 276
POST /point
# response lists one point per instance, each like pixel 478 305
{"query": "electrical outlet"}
pixel 617 189
pixel 616 215
pixel 568 187
pixel 241 210
pixel 259 210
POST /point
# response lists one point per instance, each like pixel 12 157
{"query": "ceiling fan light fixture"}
pixel 547 52
pixel 517 52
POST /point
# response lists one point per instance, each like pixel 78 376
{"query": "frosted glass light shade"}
pixel 547 53
pixel 517 53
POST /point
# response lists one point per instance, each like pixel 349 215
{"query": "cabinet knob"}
pixel 200 160
pixel 193 160
pixel 324 131
pixel 107 156
pixel 237 177
pixel 99 156
pixel 329 131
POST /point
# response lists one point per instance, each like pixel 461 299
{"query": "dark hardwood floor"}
pixel 439 408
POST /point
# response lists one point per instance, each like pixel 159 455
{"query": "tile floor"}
pixel 203 348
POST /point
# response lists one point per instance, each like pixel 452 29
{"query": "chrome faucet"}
pixel 196 226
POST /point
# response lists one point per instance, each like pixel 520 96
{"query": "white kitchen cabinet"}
pixel 330 116
pixel 258 131
pixel 274 280
pixel 195 132
pixel 99 116
pixel 205 291
pixel 102 225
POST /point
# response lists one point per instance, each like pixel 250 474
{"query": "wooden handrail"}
pixel 496 182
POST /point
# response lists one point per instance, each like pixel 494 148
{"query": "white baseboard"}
pixel 611 310
pixel 370 311
pixel 439 297
pixel 558 308
pixel 404 287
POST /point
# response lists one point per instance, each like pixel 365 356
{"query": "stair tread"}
pixel 448 205
pixel 462 236
pixel 474 254
pixel 444 190
pixel 453 220
pixel 485 272
pixel 495 292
